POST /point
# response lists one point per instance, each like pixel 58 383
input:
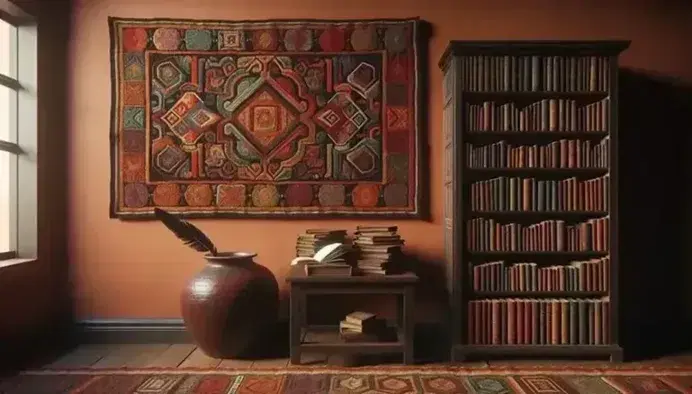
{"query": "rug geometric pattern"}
pixel 345 382
pixel 265 118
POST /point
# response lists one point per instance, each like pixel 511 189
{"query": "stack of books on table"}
pixel 379 249
pixel 331 260
pixel 315 239
pixel 361 327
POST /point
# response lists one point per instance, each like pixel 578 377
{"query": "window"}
pixel 8 135
pixel 18 137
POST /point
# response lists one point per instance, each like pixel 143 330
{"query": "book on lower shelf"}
pixel 362 326
pixel 359 322
pixel 379 250
pixel 526 321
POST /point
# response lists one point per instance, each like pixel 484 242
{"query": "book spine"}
pixel 538 321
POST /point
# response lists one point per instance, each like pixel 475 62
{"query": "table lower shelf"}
pixel 327 339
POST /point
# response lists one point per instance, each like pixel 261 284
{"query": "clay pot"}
pixel 230 305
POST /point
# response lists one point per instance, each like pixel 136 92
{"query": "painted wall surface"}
pixel 136 269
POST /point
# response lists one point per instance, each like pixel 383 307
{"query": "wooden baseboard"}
pixel 132 331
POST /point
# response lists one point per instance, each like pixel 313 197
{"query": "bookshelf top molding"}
pixel 526 48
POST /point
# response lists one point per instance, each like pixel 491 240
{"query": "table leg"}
pixel 296 309
pixel 409 323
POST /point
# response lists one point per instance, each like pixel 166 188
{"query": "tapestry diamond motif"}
pixel 265 118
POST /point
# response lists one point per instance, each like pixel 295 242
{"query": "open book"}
pixel 332 253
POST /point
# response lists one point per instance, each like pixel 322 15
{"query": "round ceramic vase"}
pixel 230 305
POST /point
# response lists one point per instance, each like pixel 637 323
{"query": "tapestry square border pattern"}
pixel 267 118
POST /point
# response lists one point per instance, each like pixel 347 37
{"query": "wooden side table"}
pixel 325 339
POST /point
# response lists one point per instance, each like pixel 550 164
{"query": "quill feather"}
pixel 186 232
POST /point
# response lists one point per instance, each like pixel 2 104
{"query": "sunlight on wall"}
pixel 7 96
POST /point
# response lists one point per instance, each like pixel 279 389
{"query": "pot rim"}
pixel 232 255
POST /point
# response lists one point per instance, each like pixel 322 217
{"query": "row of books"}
pixel 539 321
pixel 529 194
pixel 535 73
pixel 497 276
pixel 565 153
pixel 549 115
pixel 488 235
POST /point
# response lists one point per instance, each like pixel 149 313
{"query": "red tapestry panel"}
pixel 265 118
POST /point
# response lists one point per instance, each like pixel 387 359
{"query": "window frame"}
pixel 24 124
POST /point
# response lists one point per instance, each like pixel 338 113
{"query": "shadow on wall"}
pixel 655 290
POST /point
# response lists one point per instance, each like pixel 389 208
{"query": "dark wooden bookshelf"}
pixel 530 198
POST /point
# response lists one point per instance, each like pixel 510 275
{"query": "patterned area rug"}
pixel 364 381
pixel 265 118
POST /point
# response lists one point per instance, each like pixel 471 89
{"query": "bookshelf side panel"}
pixel 447 130
pixel 614 203
pixel 463 69
pixel 448 192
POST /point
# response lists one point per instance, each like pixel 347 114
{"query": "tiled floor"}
pixel 187 356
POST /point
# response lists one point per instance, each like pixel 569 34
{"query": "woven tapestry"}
pixel 265 118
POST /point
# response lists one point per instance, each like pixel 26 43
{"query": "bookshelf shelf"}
pixel 535 95
pixel 462 351
pixel 535 214
pixel 535 171
pixel 549 133
pixel 577 254
pixel 535 294
pixel 530 186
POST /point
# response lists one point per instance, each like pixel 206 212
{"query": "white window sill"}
pixel 13 262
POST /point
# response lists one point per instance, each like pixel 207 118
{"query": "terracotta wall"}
pixel 136 270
